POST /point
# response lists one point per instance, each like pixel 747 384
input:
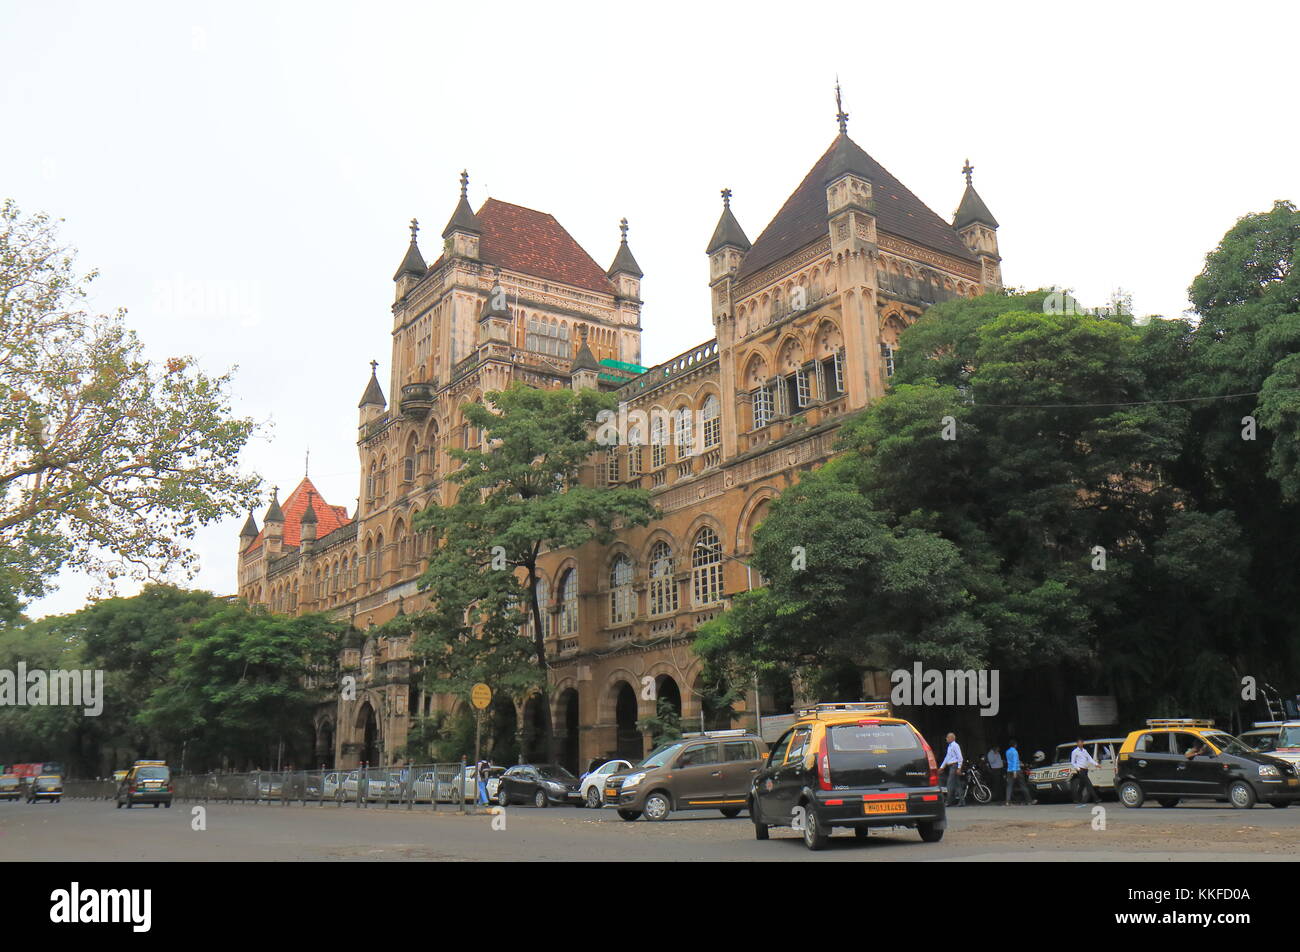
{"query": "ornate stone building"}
pixel 805 322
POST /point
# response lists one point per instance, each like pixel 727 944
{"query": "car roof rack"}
pixel 1270 723
pixel 882 708
pixel 1180 722
pixel 737 732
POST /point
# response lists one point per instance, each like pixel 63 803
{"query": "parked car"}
pixel 1287 743
pixel 11 788
pixel 45 787
pixel 1053 781
pixel 1176 759
pixel 148 781
pixel 850 765
pixel 493 781
pixel 1264 736
pixel 592 785
pixel 713 770
pixel 538 784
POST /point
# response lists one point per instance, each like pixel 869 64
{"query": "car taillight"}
pixel 929 756
pixel 823 765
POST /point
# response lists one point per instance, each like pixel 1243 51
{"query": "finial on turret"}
pixel 464 183
pixel 968 170
pixel 726 198
pixel 622 228
pixel 415 228
pixel 841 116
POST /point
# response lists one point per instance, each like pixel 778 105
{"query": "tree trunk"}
pixel 539 645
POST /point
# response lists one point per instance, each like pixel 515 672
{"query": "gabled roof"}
pixel 802 219
pixel 530 242
pixel 973 209
pixel 328 518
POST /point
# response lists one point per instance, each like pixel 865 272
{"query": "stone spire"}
pixel 413 264
pixel 972 208
pixel 374 395
pixel 728 231
pixel 463 218
pixel 624 263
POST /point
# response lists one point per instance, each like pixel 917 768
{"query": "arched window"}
pixel 634 452
pixel 706 567
pixel 683 435
pixel 622 599
pixel 663 589
pixel 569 603
pixel 658 439
pixel 408 461
pixel 711 421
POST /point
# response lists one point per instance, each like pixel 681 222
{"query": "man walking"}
pixel 952 762
pixel 1081 759
pixel 480 775
pixel 1014 777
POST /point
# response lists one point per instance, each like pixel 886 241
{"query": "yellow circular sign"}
pixel 480 696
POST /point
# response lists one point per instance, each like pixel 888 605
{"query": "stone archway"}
pixel 368 733
pixel 533 743
pixel 629 744
pixel 568 721
pixel 323 752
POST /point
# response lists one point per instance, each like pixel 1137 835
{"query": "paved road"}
pixel 94 830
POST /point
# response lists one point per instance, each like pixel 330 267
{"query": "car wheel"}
pixel 128 804
pixel 1168 802
pixel 861 832
pixel 169 804
pixel 1241 795
pixel 760 829
pixel 119 804
pixel 630 815
pixel 730 812
pixel 503 798
pixel 593 798
pixel 1130 794
pixel 814 837
pixel 539 799
pixel 657 806
pixel 1280 804
pixel 930 832
pixel 157 805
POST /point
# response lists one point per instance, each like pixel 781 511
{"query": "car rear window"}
pixel 152 773
pixel 872 738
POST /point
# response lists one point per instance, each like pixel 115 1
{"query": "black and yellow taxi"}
pixel 47 787
pixel 11 787
pixel 852 765
pixel 148 781
pixel 1176 759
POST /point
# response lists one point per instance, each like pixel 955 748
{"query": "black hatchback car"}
pixel 538 784
pixel 850 765
pixel 1180 759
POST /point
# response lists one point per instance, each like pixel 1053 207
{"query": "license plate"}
pixel 1292 781
pixel 884 806
pixel 611 792
pixel 1043 786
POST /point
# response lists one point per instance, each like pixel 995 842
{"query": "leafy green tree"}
pixel 519 497
pixel 664 725
pixel 242 681
pixel 108 461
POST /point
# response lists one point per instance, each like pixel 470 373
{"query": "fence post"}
pixel 460 779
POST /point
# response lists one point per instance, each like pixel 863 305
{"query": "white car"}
pixel 593 783
pixel 1053 780
pixel 1288 743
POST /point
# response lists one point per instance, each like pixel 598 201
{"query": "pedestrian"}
pixel 1081 759
pixel 1014 777
pixel 994 759
pixel 952 762
pixel 480 773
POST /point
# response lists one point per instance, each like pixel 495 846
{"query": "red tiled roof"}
pixel 531 242
pixel 328 518
pixel 802 219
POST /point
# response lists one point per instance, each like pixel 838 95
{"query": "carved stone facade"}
pixel 805 322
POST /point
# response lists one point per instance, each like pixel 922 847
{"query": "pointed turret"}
pixel 372 401
pixel 584 372
pixel 979 230
pixel 624 263
pixel 412 268
pixel 464 228
pixel 728 234
pixel 248 533
pixel 307 526
pixel 274 524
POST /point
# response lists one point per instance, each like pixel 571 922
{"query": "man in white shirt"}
pixel 994 759
pixel 952 762
pixel 1081 759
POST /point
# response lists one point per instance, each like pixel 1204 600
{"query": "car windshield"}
pixel 660 755
pixel 1227 744
pixel 1289 736
pixel 1063 753
pixel 554 772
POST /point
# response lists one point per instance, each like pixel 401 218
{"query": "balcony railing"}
pixel 417 400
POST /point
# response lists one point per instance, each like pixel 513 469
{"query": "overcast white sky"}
pixel 242 174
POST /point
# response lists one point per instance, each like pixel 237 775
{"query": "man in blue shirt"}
pixel 1014 776
pixel 952 763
